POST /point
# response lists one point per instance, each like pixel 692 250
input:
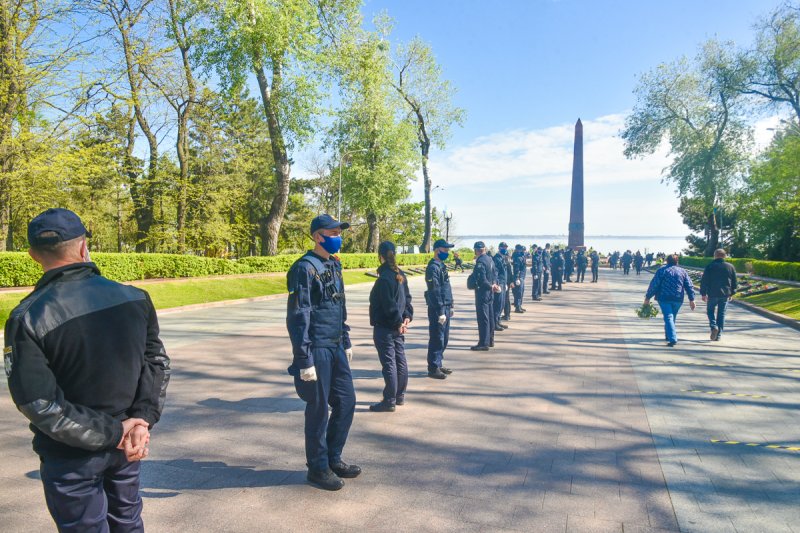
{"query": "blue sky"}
pixel 525 71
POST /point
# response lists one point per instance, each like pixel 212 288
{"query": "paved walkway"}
pixel 579 420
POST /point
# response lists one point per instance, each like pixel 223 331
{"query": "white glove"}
pixel 442 319
pixel 308 374
pixel 517 283
pixel 349 353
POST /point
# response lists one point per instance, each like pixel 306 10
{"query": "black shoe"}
pixel 714 333
pixel 546 292
pixel 479 348
pixel 436 374
pixel 345 470
pixel 446 371
pixel 381 407
pixel 671 344
pixel 325 479
pixel 499 328
pixel 537 299
pixel 506 318
pixel 491 344
pixel 719 336
pixel 518 311
pixel 400 401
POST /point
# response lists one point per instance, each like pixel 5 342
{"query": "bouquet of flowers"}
pixel 646 311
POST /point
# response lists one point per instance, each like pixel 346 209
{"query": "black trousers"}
pixel 498 303
pixel 438 337
pixel 394 367
pixel 545 280
pixel 581 274
pixel 558 277
pixel 98 493
pixel 507 303
pixel 595 271
pixel 536 282
pixel 485 316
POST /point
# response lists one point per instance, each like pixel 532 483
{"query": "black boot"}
pixel 325 479
pixel 345 470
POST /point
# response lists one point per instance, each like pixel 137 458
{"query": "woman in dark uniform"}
pixel 390 312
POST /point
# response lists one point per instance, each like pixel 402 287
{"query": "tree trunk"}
pixel 374 236
pixel 269 244
pixel 712 243
pixel 425 247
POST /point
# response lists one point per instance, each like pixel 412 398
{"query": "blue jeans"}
pixel 715 309
pixel 669 310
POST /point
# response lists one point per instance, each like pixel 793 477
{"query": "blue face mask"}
pixel 443 255
pixel 331 244
pixel 504 251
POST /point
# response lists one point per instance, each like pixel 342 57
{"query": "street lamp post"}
pixel 341 160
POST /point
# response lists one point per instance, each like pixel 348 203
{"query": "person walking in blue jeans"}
pixel 668 286
pixel 717 287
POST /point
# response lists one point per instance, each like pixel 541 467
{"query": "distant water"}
pixel 604 243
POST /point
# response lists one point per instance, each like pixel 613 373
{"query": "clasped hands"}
pixel 403 329
pixel 135 439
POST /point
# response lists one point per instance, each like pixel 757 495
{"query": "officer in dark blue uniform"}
pixel 582 261
pixel 439 298
pixel 390 313
pixel 595 265
pixel 485 287
pixel 536 273
pixel 520 272
pixel 316 318
pixel 510 284
pixel 546 268
pixel 501 278
pixel 558 270
pixel 569 265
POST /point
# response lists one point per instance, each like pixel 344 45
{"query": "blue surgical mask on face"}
pixel 443 255
pixel 504 251
pixel 331 244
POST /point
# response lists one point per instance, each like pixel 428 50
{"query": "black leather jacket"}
pixel 82 353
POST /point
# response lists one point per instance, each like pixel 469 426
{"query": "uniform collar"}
pixel 75 270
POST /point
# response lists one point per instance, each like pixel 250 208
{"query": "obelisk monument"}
pixel 576 204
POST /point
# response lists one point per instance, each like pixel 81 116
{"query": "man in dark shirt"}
pixel 485 287
pixel 717 287
pixel 85 365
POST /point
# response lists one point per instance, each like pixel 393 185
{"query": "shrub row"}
pixel 17 269
pixel 769 269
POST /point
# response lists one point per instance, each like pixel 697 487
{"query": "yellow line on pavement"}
pixel 737 394
pixel 758 445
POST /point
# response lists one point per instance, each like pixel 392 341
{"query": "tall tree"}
pixel 697 108
pixel 419 81
pixel 287 46
pixel 772 67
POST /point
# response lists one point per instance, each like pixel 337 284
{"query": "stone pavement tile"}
pixel 413 521
pixel 761 524
pixel 538 520
pixel 488 513
pixel 638 528
pixel 573 504
pixel 581 524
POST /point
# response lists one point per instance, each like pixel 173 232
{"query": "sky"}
pixel 525 71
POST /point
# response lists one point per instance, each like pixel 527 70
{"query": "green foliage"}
pixel 785 270
pixel 785 301
pixel 646 311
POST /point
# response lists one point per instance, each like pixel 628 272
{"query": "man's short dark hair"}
pixel 672 259
pixel 56 249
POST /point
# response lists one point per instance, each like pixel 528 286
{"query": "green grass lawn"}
pixel 785 301
pixel 168 294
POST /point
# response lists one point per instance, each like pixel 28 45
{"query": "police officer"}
pixel 546 268
pixel 501 279
pixel 558 270
pixel 485 287
pixel 86 366
pixel 390 313
pixel 536 272
pixel 569 265
pixel 316 318
pixel 439 298
pixel 509 266
pixel 627 259
pixel 520 272
pixel 582 261
pixel 595 257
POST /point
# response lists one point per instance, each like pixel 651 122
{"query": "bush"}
pixel 768 269
pixel 17 269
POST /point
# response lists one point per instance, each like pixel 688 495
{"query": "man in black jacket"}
pixel 86 366
pixel 485 287
pixel 717 286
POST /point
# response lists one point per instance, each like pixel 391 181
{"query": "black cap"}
pixel 441 243
pixel 478 245
pixel 518 248
pixel 64 223
pixel 386 246
pixel 325 221
pixel 502 245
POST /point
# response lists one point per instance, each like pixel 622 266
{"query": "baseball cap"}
pixel 478 245
pixel 441 243
pixel 325 221
pixel 64 223
pixel 502 245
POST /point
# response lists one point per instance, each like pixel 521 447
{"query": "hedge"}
pixel 17 269
pixel 768 269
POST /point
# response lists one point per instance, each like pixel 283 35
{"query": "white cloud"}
pixel 543 158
